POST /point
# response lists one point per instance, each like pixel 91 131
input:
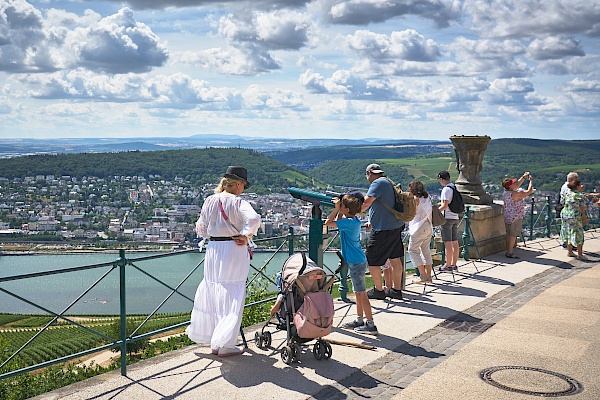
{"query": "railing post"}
pixel 549 215
pixel 290 241
pixel 531 218
pixel 122 262
pixel 466 236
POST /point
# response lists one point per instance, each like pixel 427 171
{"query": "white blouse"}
pixel 225 214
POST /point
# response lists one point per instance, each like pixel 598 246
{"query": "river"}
pixel 143 294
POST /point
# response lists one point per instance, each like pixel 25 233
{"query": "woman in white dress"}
pixel 228 222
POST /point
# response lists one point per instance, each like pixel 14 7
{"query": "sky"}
pixel 405 69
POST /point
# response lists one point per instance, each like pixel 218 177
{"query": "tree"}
pixel 132 347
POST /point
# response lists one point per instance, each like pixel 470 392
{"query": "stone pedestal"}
pixel 487 229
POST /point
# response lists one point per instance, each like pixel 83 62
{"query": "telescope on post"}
pixel 315 231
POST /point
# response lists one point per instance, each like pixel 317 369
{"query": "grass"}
pixel 424 169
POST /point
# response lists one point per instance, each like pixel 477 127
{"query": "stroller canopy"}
pixel 298 265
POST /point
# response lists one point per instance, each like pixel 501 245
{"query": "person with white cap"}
pixel 385 241
pixel 228 222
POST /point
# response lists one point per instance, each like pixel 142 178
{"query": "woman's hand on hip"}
pixel 240 240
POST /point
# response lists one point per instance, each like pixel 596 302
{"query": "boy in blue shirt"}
pixel 343 217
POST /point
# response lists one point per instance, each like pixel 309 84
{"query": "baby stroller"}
pixel 306 312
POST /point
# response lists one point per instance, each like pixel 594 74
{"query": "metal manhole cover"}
pixel 532 381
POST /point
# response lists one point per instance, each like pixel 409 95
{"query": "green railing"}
pixel 287 243
pixel 542 219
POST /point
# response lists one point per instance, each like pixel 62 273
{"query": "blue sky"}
pixel 420 69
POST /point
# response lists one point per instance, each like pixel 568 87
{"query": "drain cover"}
pixel 532 381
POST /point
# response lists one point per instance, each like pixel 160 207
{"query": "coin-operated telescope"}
pixel 315 232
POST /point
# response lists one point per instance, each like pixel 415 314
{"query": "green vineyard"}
pixel 64 338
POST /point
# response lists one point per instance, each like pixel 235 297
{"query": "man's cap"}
pixel 239 173
pixel 374 168
pixel 445 175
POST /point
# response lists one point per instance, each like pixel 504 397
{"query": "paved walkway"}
pixel 538 316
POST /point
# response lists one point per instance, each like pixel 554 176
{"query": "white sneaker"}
pixel 231 351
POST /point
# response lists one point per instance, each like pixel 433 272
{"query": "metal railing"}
pixel 542 219
pixel 287 243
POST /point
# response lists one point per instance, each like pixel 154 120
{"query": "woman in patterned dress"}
pixel 571 216
pixel 514 209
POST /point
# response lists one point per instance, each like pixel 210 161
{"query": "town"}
pixel 124 209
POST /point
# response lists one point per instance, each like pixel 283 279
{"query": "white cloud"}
pixel 406 45
pixel 581 85
pixel 115 44
pixel 554 47
pixel 363 12
pixel 532 18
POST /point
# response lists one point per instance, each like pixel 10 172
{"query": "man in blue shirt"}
pixel 385 241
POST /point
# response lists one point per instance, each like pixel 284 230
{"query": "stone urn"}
pixel 469 152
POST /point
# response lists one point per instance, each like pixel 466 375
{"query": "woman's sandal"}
pixel 511 255
pixel 572 254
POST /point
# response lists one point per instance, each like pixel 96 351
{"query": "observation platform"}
pixel 498 328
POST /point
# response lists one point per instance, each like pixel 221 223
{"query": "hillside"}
pixel 198 166
pixel 548 161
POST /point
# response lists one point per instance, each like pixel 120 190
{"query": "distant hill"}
pixel 198 166
pixel 549 161
pixel 310 158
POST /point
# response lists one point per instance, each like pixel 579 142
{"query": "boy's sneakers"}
pixel 352 324
pixel 376 294
pixel 369 328
pixel 445 268
pixel 395 294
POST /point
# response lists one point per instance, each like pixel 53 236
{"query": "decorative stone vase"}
pixel 469 152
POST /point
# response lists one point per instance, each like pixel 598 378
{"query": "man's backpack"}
pixel 405 207
pixel 457 205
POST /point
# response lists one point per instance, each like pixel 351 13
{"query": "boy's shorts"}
pixel 357 275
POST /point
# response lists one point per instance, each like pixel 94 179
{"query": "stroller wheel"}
pixel 318 350
pixel 267 338
pixel 258 341
pixel 287 355
pixel 297 351
pixel 328 351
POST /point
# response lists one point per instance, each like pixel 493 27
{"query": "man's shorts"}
pixel 383 245
pixel 450 230
pixel 515 228
pixel 357 276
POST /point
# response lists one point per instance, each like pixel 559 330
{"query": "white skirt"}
pixel 219 302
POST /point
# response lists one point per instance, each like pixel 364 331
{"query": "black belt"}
pixel 221 238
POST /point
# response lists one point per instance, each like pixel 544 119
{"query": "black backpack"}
pixel 457 204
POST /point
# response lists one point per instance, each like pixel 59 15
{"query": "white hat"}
pixel 374 168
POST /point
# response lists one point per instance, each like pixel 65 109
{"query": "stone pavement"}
pixel 538 317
